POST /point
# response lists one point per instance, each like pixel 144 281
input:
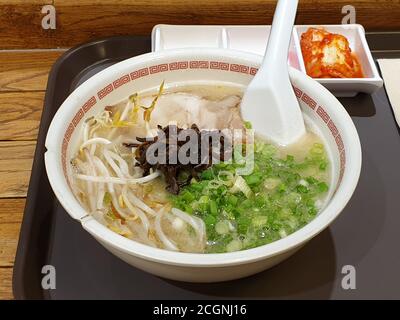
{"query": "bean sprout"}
pixel 115 180
pixel 160 233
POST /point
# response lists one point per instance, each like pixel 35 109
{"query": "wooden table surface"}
pixel 23 78
pixel 25 61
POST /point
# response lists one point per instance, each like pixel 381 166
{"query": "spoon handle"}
pixel 282 26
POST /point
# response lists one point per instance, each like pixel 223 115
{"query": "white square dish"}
pixel 346 87
pixel 254 38
pixel 251 39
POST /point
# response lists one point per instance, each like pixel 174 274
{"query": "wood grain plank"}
pixel 16 159
pixel 21 24
pixel 139 17
pixel 20 114
pixel 26 70
pixel 28 2
pixel 83 20
pixel 6 283
pixel 11 212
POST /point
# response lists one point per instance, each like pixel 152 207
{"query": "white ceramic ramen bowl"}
pixel 182 66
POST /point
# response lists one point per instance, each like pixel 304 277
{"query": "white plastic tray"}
pixel 254 39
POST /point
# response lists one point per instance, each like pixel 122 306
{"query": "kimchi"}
pixel 328 55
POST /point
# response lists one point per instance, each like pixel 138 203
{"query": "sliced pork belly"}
pixel 184 109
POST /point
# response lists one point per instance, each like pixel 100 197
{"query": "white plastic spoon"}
pixel 269 102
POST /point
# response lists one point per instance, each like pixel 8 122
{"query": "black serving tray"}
pixel 366 235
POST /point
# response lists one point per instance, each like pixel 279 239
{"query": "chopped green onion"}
pixel 248 125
